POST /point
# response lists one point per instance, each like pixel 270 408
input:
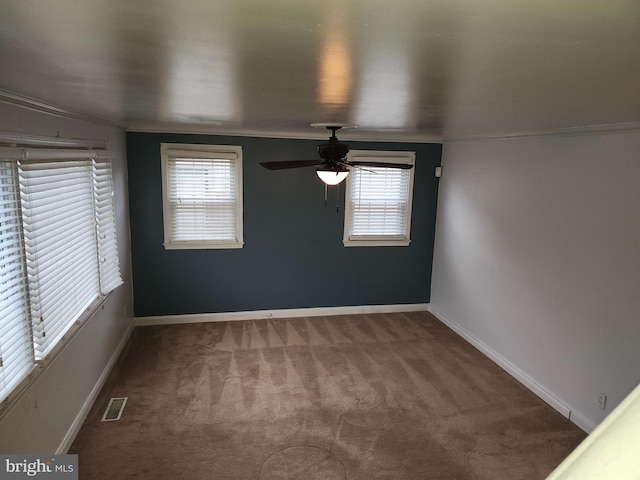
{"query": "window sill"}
pixel 376 243
pixel 201 245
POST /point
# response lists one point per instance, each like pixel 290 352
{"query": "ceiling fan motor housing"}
pixel 333 150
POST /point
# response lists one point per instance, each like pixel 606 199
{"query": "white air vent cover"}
pixel 114 409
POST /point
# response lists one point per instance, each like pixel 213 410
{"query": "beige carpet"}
pixel 384 396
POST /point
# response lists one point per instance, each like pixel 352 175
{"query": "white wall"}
pixel 537 261
pixel 46 418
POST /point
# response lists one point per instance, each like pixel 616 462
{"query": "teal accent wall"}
pixel 293 255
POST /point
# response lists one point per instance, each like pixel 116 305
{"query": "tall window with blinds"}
pixel 58 251
pixel 202 196
pixel 16 347
pixel 378 201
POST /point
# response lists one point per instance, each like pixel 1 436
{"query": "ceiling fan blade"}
pixel 404 166
pixel 347 164
pixel 290 164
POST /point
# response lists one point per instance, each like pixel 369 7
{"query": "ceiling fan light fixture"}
pixel 332 177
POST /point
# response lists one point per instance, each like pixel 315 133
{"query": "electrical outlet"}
pixel 602 401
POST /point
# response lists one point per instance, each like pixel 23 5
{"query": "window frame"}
pixel 378 240
pixel 205 151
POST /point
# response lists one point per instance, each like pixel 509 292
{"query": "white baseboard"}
pixel 95 391
pixel 583 422
pixel 517 373
pixel 283 313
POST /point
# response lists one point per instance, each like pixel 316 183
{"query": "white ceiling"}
pixel 401 69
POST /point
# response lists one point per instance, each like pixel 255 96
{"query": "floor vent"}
pixel 114 409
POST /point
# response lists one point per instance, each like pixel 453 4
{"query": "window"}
pixel 202 196
pixel 378 201
pixel 58 251
pixel 16 348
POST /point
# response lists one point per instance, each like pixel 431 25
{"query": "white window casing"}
pixel 202 196
pixel 58 251
pixel 378 200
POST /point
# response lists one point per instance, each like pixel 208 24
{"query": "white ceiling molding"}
pixel 617 128
pixel 348 135
pixel 29 103
pixel 17 139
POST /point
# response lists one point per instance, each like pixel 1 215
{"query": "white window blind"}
pixel 58 251
pixel 106 226
pixel 60 245
pixel 202 196
pixel 16 354
pixel 378 201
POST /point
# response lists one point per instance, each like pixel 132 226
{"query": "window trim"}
pixel 378 240
pixel 205 151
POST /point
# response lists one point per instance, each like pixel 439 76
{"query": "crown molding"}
pixel 363 135
pixel 347 135
pixel 29 103
pixel 17 139
pixel 605 129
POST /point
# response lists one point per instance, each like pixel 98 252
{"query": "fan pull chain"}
pixel 326 196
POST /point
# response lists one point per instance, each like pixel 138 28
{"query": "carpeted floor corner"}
pixel 380 396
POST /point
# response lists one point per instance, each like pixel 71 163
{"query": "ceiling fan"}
pixel 333 167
